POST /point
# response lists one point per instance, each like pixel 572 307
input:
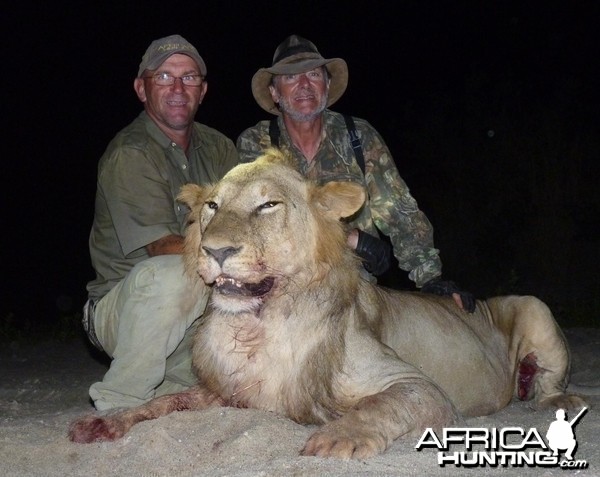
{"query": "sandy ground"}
pixel 43 388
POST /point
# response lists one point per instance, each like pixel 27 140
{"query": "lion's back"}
pixel 465 354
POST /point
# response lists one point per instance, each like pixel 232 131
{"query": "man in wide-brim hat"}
pixel 298 88
pixel 295 56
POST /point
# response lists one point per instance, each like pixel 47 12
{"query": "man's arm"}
pixel 396 213
pixel 169 245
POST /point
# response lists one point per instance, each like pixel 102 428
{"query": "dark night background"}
pixel 490 109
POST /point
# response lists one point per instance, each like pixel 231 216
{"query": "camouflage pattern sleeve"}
pixel 253 141
pixel 396 213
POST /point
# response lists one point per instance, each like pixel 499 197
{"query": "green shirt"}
pixel 139 177
pixel 390 208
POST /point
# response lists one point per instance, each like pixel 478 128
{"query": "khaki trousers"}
pixel 146 325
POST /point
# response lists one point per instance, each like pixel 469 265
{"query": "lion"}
pixel 293 328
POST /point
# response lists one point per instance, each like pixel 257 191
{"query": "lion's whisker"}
pixel 246 388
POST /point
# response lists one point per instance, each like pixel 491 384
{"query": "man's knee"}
pixel 164 276
pixel 163 282
pixel 163 269
pixel 157 294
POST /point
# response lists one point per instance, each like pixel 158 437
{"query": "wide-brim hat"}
pixel 298 55
pixel 161 49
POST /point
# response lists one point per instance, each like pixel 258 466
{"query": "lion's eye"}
pixel 212 205
pixel 268 205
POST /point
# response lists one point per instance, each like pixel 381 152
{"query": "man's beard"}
pixel 286 108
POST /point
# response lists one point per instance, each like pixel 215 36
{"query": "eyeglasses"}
pixel 166 79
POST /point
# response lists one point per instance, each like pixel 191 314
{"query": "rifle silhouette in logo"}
pixel 560 434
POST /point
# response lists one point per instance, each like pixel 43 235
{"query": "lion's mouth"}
pixel 230 286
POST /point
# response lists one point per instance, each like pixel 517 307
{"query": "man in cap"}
pixel 298 89
pixel 142 309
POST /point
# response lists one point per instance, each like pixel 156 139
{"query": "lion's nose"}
pixel 221 254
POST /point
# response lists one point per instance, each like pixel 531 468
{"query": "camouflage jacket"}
pixel 390 208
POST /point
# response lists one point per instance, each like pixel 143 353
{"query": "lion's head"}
pixel 264 227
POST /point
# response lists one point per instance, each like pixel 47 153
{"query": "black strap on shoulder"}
pixel 355 141
pixel 274 133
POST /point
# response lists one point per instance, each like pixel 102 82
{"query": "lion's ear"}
pixel 339 199
pixel 191 195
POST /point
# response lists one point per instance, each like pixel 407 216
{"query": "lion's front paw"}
pixel 96 429
pixel 332 441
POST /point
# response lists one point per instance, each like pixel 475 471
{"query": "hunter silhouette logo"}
pixel 560 434
pixel 507 446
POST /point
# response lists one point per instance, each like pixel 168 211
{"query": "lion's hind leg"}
pixel 402 410
pixel 543 359
pixel 112 426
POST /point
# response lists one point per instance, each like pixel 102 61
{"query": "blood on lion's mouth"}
pixel 229 286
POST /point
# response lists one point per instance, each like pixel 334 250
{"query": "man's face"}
pixel 301 96
pixel 172 107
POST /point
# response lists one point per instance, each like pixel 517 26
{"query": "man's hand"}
pixel 376 253
pixel 169 245
pixel 463 299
